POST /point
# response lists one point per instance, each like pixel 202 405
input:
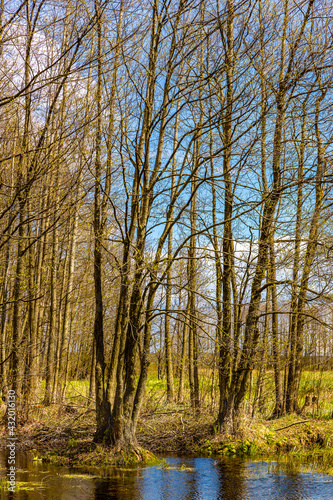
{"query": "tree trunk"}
pixel 296 348
pixel 278 409
pixel 103 415
pixel 182 370
pixel 226 330
pixel 168 344
pixel 51 337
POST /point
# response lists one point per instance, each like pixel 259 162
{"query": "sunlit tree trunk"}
pixel 22 193
pixel 103 415
pixel 277 412
pixel 297 338
pixel 168 344
pixel 52 330
pixel 225 417
pixel 182 370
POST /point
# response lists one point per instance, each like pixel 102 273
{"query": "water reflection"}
pixel 182 479
pixel 290 484
pixel 232 479
pixel 118 484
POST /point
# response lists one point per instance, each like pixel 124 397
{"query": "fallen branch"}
pixel 295 423
pixel 84 413
pixel 170 412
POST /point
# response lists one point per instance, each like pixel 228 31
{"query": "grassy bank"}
pixel 67 438
pixel 64 433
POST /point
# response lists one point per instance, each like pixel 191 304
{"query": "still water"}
pixel 181 479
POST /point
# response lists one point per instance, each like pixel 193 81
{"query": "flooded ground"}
pixel 178 479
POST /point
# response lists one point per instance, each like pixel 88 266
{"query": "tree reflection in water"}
pixel 233 480
pixel 181 479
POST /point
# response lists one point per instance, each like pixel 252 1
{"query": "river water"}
pixel 182 478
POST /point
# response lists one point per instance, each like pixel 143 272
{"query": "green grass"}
pixel 77 389
pixel 317 384
pixel 313 383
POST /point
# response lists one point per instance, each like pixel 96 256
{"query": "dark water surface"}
pixel 182 479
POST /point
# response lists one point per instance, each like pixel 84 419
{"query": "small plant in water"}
pixel 243 447
pixel 165 465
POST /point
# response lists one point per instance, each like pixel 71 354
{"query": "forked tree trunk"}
pixel 238 386
pixel 137 322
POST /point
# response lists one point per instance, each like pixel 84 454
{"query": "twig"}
pixel 84 413
pixel 170 412
pixel 295 423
